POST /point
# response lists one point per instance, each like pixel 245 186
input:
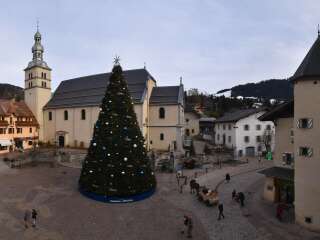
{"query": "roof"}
pixel 279 172
pixel 207 119
pixel 284 110
pixel 310 66
pixel 19 109
pixel 89 90
pixel 167 95
pixel 235 116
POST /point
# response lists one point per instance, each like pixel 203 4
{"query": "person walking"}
pixel 192 186
pixel 190 227
pixel 26 218
pixel 185 224
pixel 234 193
pixel 34 217
pixel 241 198
pixel 220 207
pixel 228 177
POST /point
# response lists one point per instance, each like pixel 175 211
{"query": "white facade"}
pixel 245 135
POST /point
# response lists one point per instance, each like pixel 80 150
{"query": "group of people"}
pixel 33 214
pixel 239 197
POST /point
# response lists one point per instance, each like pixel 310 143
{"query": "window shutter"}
pixel 298 123
pixel 310 123
pixel 310 152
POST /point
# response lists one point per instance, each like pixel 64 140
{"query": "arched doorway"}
pixel 61 141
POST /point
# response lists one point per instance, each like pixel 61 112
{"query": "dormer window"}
pixel 305 123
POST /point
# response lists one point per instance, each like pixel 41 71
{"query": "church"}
pixel 66 117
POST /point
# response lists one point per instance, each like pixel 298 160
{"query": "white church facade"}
pixel 67 117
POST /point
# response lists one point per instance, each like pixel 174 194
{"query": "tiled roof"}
pixel 284 110
pixel 19 109
pixel 237 115
pixel 310 66
pixel 279 172
pixel 89 90
pixel 167 95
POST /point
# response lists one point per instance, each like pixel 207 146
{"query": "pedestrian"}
pixel 190 227
pixel 185 224
pixel 26 218
pixel 228 177
pixel 34 217
pixel 192 185
pixel 241 198
pixel 234 193
pixel 220 207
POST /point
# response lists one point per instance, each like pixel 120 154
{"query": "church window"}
pixel 161 136
pixel 65 115
pixel 42 75
pixel 50 116
pixel 83 114
pixel 44 84
pixel 45 76
pixel 162 113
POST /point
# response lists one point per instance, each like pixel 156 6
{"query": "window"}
pixel 30 130
pixel 305 151
pixel 258 127
pixel 30 143
pixel 11 121
pixel 150 141
pixel 66 115
pixel 162 113
pixel 308 220
pixel 218 137
pixel 161 136
pixel 246 139
pixel 2 131
pixel 258 138
pixel 229 139
pixel 19 130
pixel 287 158
pixel 11 130
pixel 229 126
pixel 224 127
pixel 246 127
pixel 45 76
pixel 192 130
pixel 43 84
pixel 83 114
pixel 240 153
pixel 187 120
pixel 42 75
pixel 268 127
pixel 305 123
pixel 50 116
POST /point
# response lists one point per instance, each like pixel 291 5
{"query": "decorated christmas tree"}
pixel 116 166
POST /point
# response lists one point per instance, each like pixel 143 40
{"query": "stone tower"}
pixel 37 90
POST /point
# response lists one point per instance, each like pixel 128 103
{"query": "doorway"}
pixel 61 141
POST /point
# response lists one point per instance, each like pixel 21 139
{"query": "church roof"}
pixel 167 95
pixel 310 66
pixel 89 90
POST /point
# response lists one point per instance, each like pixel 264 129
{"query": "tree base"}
pixel 110 199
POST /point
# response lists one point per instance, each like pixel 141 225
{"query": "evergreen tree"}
pixel 117 164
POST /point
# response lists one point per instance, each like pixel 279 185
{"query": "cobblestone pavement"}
pixel 64 214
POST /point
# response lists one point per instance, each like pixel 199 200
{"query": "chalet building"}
pixel 297 141
pixel 242 131
pixel 67 117
pixel 191 118
pixel 18 126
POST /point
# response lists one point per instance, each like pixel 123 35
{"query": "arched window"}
pixel 162 113
pixel 83 114
pixel 65 115
pixel 161 136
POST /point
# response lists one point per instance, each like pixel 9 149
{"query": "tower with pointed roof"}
pixel 306 82
pixel 37 91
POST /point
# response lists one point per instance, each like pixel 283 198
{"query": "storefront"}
pixel 5 145
pixel 279 184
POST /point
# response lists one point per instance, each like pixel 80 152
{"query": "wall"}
pixel 228 130
pixel 252 121
pixel 307 190
pixel 283 140
pixel 192 124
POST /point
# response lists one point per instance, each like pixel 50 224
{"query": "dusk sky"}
pixel 212 44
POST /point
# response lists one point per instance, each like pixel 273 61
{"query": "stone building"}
pixel 67 117
pixel 297 140
pixel 18 126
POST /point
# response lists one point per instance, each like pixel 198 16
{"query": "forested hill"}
pixel 9 91
pixel 273 88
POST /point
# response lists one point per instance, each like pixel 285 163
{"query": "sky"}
pixel 212 44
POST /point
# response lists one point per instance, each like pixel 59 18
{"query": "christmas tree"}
pixel 117 166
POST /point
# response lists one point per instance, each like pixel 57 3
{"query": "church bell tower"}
pixel 37 90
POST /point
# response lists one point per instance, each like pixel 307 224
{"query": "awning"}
pixel 279 172
pixel 5 142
